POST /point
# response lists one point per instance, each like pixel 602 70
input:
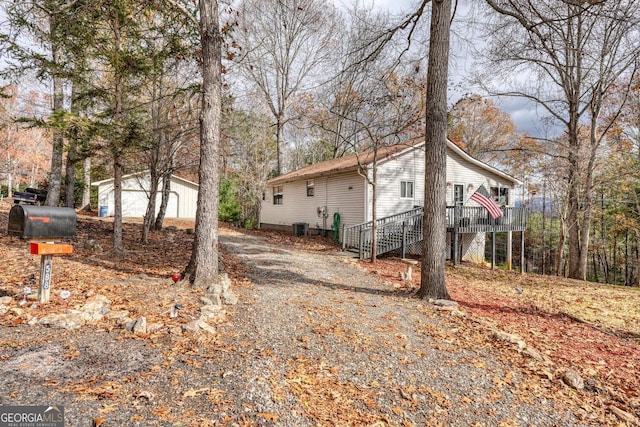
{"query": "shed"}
pixel 183 196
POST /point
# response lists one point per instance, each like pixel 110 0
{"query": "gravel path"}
pixel 326 343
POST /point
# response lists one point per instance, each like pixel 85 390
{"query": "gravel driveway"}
pixel 329 344
pixel 314 341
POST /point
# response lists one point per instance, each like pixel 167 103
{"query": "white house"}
pixel 314 194
pixel 183 196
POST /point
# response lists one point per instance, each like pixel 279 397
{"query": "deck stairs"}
pixel 395 232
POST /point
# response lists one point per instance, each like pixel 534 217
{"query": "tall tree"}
pixel 203 266
pixel 571 53
pixel 285 44
pixel 434 240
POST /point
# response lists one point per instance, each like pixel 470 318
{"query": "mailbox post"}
pixel 43 223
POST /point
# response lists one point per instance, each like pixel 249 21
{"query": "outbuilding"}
pixel 183 196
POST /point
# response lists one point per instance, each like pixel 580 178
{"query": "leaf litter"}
pixel 348 349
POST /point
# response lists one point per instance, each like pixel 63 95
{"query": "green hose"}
pixel 335 227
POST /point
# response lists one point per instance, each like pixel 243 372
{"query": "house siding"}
pixel 185 192
pixel 341 193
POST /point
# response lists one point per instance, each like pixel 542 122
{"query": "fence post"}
pixel 404 239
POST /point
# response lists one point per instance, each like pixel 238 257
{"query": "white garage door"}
pixel 134 204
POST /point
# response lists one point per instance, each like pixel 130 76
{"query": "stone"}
pixel 171 228
pixel 229 298
pixel 154 327
pixel 445 303
pixel 206 327
pixel 176 330
pixel 129 325
pixel 3 310
pixel 458 313
pixel 206 301
pixel 510 338
pixel 193 327
pixel 210 311
pixel 225 281
pixel 121 317
pixel 33 321
pixel 95 308
pixel 533 353
pixel 623 415
pixel 16 311
pixel 573 379
pixel 63 320
pixel 190 230
pixel 140 326
pixel 6 300
pixel 215 300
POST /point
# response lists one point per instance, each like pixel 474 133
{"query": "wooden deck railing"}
pixel 403 229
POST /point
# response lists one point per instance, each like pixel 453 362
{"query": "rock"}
pixel 623 415
pixel 154 327
pixel 510 338
pixel 573 379
pixel 210 311
pixel 69 321
pixel 171 228
pixel 225 281
pixel 192 327
pixel 206 301
pixel 95 308
pixel 140 326
pixel 229 298
pixel 3 310
pixel 6 300
pixel 206 327
pixel 16 311
pixel 533 353
pixel 33 321
pixel 190 230
pixel 445 303
pixel 176 330
pixel 458 313
pixel 446 308
pixel 121 317
pixel 129 325
pixel 215 300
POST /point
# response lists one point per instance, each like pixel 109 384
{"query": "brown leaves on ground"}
pixel 590 327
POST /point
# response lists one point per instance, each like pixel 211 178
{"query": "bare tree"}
pixel 434 240
pixel 285 43
pixel 570 53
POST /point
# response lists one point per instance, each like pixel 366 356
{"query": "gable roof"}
pixel 142 174
pixel 351 163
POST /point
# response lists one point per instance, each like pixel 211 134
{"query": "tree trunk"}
pixel 117 202
pixel 86 191
pixel 434 232
pixel 166 190
pixel 150 214
pixel 203 267
pixel 55 177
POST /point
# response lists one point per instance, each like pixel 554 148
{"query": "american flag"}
pixel 481 196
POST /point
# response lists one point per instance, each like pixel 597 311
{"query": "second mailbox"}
pixel 41 222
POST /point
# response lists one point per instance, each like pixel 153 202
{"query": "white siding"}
pixel 462 172
pixel 342 193
pixel 182 204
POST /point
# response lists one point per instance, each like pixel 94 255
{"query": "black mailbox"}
pixel 41 222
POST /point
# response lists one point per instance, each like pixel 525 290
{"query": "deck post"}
pixel 522 261
pixel 509 250
pixel 404 239
pixel 456 219
pixel 493 250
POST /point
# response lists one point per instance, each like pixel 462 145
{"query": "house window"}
pixel 310 188
pixel 500 195
pixel 406 189
pixel 458 195
pixel 277 195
